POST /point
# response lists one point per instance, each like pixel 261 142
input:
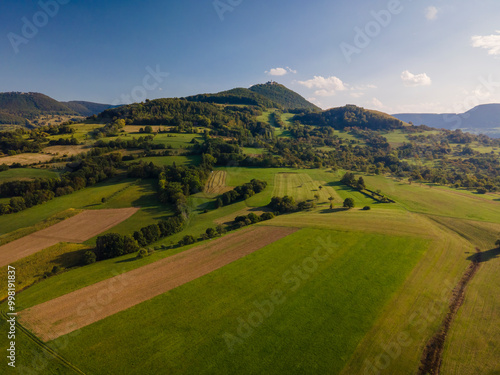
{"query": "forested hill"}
pixel 283 96
pixel 268 95
pixel 237 96
pixel 350 116
pixel 17 107
pixel 178 112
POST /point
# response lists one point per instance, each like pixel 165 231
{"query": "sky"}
pixel 395 55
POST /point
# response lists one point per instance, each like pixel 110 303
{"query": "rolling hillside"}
pixel 268 95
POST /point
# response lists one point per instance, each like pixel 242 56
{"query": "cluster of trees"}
pixel 349 179
pixel 86 172
pixel 145 143
pixel 13 142
pixel 113 245
pixel 242 192
pixel 154 232
pixel 111 129
pixel 64 142
pixel 251 218
pixel 286 204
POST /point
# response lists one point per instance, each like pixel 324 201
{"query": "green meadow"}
pixel 314 329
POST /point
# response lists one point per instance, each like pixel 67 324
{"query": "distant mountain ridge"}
pixel 482 117
pixel 18 107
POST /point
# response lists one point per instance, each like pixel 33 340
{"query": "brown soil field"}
pixel 66 150
pixel 216 184
pixel 76 229
pixel 73 311
pixel 136 128
pixel 48 154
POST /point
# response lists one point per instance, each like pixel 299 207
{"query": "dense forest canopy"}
pixel 350 116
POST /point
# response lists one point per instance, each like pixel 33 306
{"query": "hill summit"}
pixel 268 95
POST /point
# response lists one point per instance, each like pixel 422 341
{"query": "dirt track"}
pixel 85 306
pixel 433 352
pixel 76 229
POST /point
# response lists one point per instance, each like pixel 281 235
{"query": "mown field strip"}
pixel 76 229
pixel 216 183
pixel 67 313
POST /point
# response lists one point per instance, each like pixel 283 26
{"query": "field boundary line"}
pixel 42 345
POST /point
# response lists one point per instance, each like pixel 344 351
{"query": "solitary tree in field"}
pixel 348 203
pixel 331 202
pixel 497 243
pixel 320 187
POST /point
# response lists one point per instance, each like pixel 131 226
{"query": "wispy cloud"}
pixel 431 13
pixel 325 86
pixel 414 80
pixel 488 42
pixel 280 71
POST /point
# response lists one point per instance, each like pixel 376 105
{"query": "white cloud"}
pixel 431 13
pixel 280 71
pixel 378 105
pixel 414 80
pixel 489 42
pixel 326 86
pixel 277 72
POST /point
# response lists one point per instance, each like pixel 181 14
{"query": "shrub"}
pixel 253 218
pixel 267 216
pixel 187 240
pixel 89 257
pixel 142 254
pixel 367 208
pixel 348 203
pixel 211 233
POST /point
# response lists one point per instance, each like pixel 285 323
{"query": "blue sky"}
pixel 395 56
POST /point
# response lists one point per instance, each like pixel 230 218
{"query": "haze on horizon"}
pixel 395 56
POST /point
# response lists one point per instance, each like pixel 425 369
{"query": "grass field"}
pixel 26 174
pixel 475 333
pixel 119 193
pixel 302 187
pixel 435 200
pixel 253 151
pixel 395 266
pixel 315 329
pixel 33 268
pixel 169 160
